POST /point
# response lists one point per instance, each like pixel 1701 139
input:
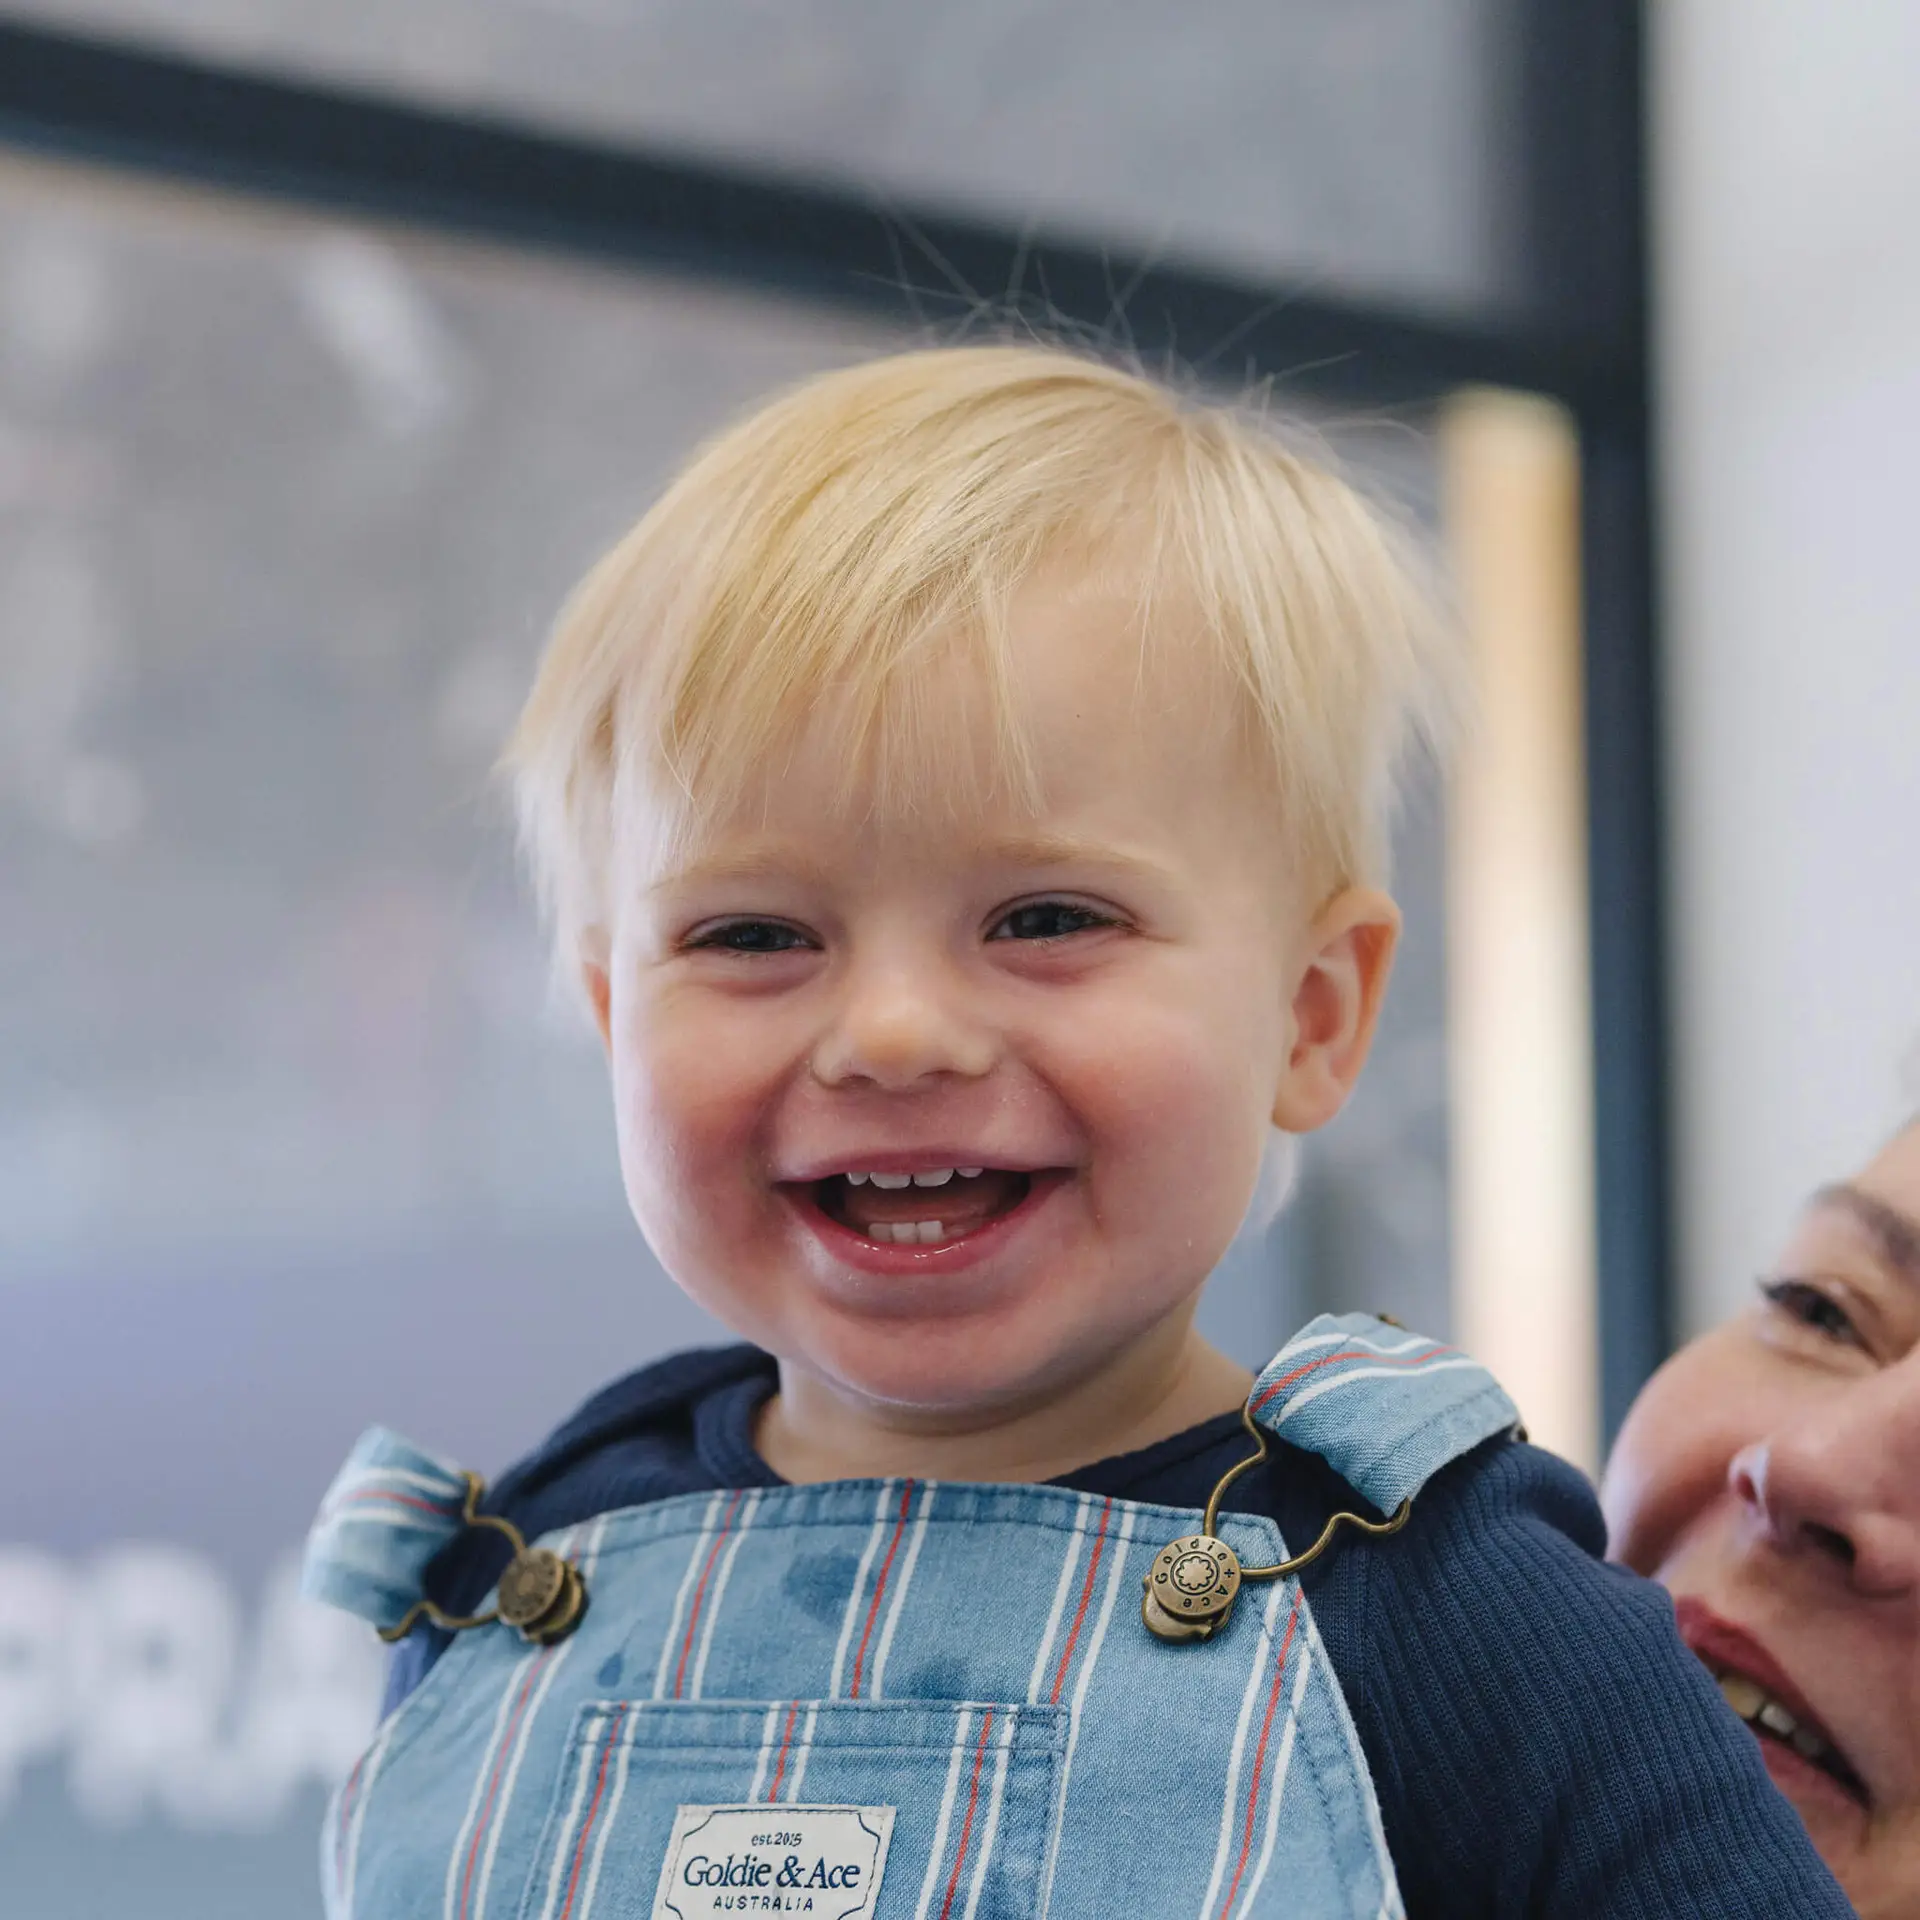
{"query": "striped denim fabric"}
pixel 972 1786
pixel 1386 1409
pixel 390 1509
pixel 970 1657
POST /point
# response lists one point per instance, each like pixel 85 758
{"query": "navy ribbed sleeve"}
pixel 1542 1740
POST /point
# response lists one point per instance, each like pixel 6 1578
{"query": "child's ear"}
pixel 599 997
pixel 595 977
pixel 1347 955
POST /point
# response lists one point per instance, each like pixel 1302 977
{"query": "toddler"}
pixel 962 803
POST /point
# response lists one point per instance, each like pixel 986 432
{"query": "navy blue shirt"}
pixel 1541 1741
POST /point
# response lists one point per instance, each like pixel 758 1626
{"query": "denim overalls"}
pixel 886 1700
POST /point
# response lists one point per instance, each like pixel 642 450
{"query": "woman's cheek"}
pixel 1669 1466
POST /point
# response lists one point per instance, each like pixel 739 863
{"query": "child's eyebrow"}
pixel 756 863
pixel 1064 850
pixel 747 866
pixel 1895 1235
pixel 1009 850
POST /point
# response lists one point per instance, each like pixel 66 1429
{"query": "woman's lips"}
pixel 1799 1750
pixel 1810 1784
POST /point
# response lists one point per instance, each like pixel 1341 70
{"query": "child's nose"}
pixel 902 1023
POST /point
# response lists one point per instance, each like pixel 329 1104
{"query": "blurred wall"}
pixel 1787 157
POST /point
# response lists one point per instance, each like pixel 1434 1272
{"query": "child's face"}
pixel 1070 1027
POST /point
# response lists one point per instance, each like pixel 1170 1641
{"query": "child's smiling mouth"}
pixel 920 1217
pixel 927 1208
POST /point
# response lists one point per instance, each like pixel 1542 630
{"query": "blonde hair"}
pixel 809 561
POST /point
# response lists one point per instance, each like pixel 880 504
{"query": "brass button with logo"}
pixel 1190 1588
pixel 541 1596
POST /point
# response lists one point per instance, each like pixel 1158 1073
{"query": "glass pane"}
pixel 1364 146
pixel 287 1143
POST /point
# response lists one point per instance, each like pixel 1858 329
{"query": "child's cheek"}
pixel 1177 1130
pixel 691 1095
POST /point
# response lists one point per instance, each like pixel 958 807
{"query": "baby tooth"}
pixel 907 1233
pixel 857 1179
pixel 892 1180
pixel 937 1178
pixel 1808 1744
pixel 1744 1696
pixel 1776 1719
pixel 969 1173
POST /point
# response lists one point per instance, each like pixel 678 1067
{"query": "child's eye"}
pixel 1814 1307
pixel 748 936
pixel 1048 920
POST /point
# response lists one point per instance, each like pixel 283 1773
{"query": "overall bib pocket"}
pixel 835 1809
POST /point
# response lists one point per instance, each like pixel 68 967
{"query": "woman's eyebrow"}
pixel 1895 1235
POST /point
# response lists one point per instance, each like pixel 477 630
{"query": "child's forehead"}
pixel 1111 814
pixel 963 735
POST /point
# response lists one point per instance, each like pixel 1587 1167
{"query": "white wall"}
pixel 1787 155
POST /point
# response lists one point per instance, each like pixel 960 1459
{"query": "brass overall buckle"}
pixel 541 1595
pixel 1190 1589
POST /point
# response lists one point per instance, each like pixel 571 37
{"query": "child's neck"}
pixel 813 1431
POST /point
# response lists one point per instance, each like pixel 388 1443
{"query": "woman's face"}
pixel 1769 1478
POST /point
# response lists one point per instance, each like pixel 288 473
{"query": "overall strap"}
pixel 390 1509
pixel 1386 1409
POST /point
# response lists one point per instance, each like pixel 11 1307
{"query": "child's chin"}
pixel 938 1369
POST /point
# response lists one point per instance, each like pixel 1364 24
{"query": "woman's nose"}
pixel 1842 1483
pixel 899 1025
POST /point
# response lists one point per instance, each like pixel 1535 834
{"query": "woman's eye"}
pixel 1813 1307
pixel 1048 920
pixel 749 936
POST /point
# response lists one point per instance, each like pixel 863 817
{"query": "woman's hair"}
pixel 811 563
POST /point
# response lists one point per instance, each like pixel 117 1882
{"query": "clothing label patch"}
pixel 824 1861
